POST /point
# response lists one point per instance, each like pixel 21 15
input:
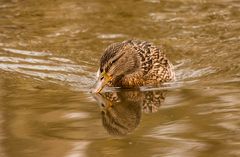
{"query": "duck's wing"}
pixel 154 63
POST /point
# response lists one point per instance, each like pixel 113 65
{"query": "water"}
pixel 49 52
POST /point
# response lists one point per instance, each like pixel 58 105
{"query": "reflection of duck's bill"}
pixel 99 98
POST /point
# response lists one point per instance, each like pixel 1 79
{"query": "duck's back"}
pixel 154 68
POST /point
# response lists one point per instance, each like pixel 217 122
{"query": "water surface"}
pixel 49 52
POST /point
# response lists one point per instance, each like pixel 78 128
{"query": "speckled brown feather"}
pixel 153 66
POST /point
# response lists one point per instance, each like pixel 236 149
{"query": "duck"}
pixel 132 64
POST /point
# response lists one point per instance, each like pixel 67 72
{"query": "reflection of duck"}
pixel 121 111
pixel 133 63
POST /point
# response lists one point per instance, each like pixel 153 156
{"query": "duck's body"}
pixel 134 63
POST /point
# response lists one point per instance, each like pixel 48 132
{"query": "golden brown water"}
pixel 49 53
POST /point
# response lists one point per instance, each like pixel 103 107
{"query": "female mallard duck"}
pixel 133 63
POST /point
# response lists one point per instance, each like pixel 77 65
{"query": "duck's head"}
pixel 118 60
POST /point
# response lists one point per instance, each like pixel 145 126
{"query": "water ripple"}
pixel 44 65
pixel 29 53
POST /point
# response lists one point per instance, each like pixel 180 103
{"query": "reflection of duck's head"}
pixel 133 63
pixel 121 111
pixel 119 116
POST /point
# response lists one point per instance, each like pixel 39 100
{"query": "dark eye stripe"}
pixel 117 58
pixel 112 62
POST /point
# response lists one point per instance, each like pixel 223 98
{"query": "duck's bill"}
pixel 99 85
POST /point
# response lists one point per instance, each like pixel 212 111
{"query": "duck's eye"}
pixel 102 77
pixel 114 61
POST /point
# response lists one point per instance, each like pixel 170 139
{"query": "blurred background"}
pixel 49 53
